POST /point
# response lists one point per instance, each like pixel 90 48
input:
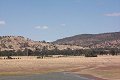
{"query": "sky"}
pixel 50 20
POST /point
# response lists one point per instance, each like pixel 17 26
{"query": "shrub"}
pixel 38 57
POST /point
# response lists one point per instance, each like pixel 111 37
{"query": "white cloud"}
pixel 2 23
pixel 45 27
pixel 41 27
pixel 37 27
pixel 112 14
pixel 48 41
pixel 63 24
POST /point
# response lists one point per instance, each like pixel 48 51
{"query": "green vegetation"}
pixel 44 52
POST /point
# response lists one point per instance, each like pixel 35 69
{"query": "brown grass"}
pixel 106 67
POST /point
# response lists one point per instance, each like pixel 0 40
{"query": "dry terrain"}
pixel 100 68
pixel 102 40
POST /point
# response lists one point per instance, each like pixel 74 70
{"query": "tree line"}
pixel 44 52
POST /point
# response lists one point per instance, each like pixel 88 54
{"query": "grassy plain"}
pixel 101 67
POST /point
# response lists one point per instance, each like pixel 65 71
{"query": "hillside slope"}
pixel 103 40
pixel 20 43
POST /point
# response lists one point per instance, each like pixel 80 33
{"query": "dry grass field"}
pixel 101 67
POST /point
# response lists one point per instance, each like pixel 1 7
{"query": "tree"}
pixel 44 52
pixel 55 51
pixel 30 52
pixel 90 53
pixel 25 52
pixel 113 52
pixel 37 52
pixel 19 53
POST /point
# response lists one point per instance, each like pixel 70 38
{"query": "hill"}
pixel 20 43
pixel 103 40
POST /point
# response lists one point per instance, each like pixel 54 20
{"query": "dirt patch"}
pixel 92 77
pixel 109 67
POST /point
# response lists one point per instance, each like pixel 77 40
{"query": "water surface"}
pixel 48 76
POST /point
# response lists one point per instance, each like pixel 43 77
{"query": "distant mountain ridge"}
pixel 102 40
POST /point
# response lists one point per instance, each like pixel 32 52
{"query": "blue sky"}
pixel 54 19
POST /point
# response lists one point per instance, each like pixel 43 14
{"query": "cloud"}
pixel 112 14
pixel 48 41
pixel 45 27
pixel 2 23
pixel 37 27
pixel 63 24
pixel 41 27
